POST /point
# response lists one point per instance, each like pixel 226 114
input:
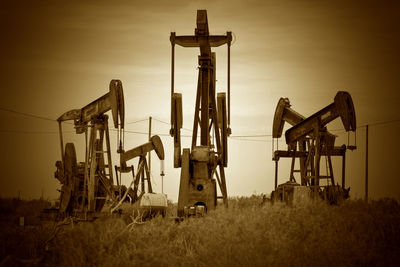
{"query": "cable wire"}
pixel 237 137
pixel 167 123
pixel 132 122
pixel 27 114
pixel 32 132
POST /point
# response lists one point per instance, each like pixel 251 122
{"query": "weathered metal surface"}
pixel 117 103
pixel 68 179
pixel 342 107
pixel 153 200
pixel 114 101
pixel 177 121
pixel 142 150
pixel 152 204
pixel 223 126
pixel 291 193
pixel 89 183
pixel 336 151
pixel 143 172
pixel 184 182
pixel 310 136
pixel 345 108
pixel 199 166
pixel 283 113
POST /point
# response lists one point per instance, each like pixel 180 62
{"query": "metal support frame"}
pixel 98 171
pixel 143 174
pixel 92 180
pixel 308 157
pixel 199 165
pixel 311 138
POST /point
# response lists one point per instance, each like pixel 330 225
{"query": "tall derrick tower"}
pixel 200 164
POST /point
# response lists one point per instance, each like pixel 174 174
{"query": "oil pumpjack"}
pixel 87 185
pixel 308 140
pixel 155 202
pixel 197 190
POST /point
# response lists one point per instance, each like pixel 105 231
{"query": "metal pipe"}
pixel 292 165
pixel 142 176
pixel 276 174
pixel 204 112
pixel 116 176
pixel 86 173
pixel 61 142
pixel 229 84
pixel 162 175
pixel 127 190
pixel 172 74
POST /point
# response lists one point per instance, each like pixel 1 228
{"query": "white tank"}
pixel 153 203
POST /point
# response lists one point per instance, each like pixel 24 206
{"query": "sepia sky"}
pixel 57 56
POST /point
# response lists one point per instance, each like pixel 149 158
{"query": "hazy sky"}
pixel 60 56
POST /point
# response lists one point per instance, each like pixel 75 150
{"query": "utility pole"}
pixel 366 164
pixel 149 140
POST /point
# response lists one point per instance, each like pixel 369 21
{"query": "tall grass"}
pixel 247 233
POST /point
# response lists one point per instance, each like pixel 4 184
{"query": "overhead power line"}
pixel 256 135
pixel 252 140
pixel 369 124
pixel 161 121
pixel 27 114
pixel 132 122
pixel 233 136
pixel 33 132
pixel 379 123
pixel 166 123
pixel 147 133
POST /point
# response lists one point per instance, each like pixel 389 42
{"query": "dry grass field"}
pixel 246 234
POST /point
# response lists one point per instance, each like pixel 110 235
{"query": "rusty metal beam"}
pixel 341 107
pixel 154 144
pixel 336 151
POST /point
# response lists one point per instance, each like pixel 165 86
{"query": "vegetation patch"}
pixel 247 233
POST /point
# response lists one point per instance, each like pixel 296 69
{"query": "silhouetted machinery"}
pixel 197 190
pixel 142 174
pixel 87 185
pixel 307 141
